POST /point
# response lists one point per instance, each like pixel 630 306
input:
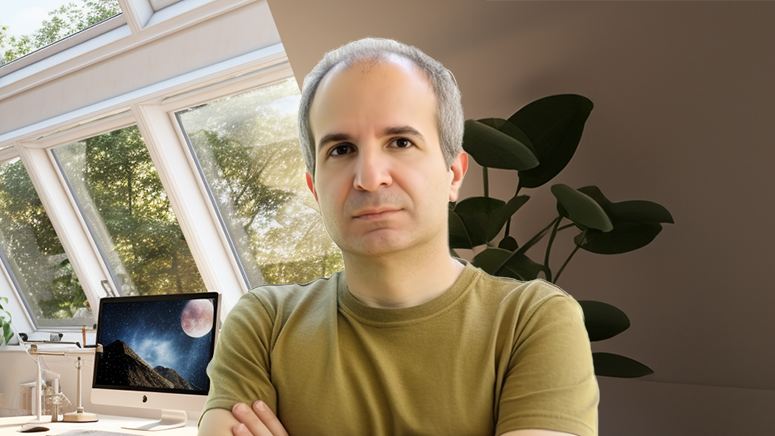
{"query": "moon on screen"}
pixel 197 318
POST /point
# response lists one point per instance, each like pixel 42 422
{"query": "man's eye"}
pixel 402 143
pixel 341 149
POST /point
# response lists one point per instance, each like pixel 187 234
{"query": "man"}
pixel 406 340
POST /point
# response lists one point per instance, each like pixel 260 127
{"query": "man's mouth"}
pixel 372 214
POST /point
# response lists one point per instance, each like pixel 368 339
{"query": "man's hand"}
pixel 258 421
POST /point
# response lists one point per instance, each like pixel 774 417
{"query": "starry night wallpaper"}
pixel 161 345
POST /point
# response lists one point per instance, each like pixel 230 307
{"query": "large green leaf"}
pixel 502 215
pixel 7 333
pixel 603 321
pixel 504 263
pixel 554 125
pixel 520 267
pixel 476 213
pixel 458 235
pixel 614 365
pixel 640 210
pixel 581 208
pixel 623 238
pixel 494 149
pixel 507 127
pixel 483 218
pixel 491 259
pixel 636 224
pixel 633 210
pixel 508 243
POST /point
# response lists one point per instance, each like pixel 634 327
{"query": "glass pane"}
pixel 128 213
pixel 33 255
pixel 28 25
pixel 248 150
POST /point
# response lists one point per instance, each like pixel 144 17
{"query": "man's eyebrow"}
pixel 393 130
pixel 403 130
pixel 333 137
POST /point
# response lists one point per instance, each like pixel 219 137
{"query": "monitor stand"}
pixel 169 419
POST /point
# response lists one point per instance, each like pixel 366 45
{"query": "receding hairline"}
pixel 369 63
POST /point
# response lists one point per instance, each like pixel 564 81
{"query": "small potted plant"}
pixel 5 322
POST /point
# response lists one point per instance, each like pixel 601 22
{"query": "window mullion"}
pixel 67 223
pixel 203 234
pixel 137 13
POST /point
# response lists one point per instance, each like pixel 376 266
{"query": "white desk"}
pixel 11 426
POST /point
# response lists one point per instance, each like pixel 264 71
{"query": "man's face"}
pixel 380 176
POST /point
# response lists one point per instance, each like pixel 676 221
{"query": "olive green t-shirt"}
pixel 488 356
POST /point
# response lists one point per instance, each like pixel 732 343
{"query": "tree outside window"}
pixel 129 214
pixel 33 255
pixel 247 146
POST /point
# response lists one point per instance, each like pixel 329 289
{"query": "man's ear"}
pixel 458 168
pixel 311 185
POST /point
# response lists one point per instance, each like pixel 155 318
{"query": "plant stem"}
pixel 566 226
pixel 566 263
pixel 523 249
pixel 548 271
pixel 538 236
pixel 486 180
pixel 508 228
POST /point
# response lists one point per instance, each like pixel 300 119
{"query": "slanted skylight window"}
pixel 26 26
pixel 124 204
pixel 32 255
pixel 247 147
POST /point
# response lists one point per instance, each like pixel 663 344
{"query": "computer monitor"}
pixel 155 351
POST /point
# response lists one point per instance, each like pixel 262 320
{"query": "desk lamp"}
pixel 79 415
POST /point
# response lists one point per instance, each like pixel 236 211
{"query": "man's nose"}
pixel 372 170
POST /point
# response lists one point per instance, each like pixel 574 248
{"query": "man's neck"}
pixel 400 281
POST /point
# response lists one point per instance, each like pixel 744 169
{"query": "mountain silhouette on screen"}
pixel 121 366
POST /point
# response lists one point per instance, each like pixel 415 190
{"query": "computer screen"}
pixel 155 351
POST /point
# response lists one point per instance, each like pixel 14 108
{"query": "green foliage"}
pixel 247 146
pixel 538 142
pixel 5 323
pixel 63 21
pixel 35 254
pixel 126 190
pixel 614 365
pixel 302 271
pixel 507 149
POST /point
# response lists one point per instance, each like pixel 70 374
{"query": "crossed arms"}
pixel 261 421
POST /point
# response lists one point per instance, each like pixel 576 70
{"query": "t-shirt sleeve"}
pixel 550 383
pixel 241 367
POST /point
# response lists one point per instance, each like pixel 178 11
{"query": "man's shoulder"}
pixel 285 297
pixel 525 295
pixel 534 289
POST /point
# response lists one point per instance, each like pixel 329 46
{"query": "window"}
pixel 156 58
pixel 34 257
pixel 32 24
pixel 123 202
pixel 248 151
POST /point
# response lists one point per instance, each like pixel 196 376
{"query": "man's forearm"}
pixel 242 420
pixel 217 422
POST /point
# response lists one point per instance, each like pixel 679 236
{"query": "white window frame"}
pixel 152 108
pixel 138 25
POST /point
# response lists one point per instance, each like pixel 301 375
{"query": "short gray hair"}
pixel 449 113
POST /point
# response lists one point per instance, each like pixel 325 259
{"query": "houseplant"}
pixel 5 322
pixel 538 141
